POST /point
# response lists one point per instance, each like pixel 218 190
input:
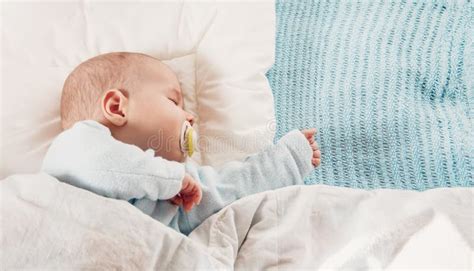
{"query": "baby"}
pixel 114 104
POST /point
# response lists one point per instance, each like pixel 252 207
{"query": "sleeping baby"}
pixel 116 107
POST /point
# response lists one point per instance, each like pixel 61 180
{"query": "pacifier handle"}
pixel 188 139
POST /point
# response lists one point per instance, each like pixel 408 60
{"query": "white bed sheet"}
pixel 48 224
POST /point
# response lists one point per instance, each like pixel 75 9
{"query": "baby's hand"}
pixel 189 195
pixel 309 134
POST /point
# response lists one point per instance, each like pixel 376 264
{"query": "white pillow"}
pixel 220 51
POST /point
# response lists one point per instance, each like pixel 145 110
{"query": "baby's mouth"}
pixel 188 139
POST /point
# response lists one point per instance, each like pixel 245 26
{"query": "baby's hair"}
pixel 85 85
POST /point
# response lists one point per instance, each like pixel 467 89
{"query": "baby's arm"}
pixel 285 163
pixel 88 156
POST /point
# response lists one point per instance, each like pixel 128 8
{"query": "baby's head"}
pixel 135 95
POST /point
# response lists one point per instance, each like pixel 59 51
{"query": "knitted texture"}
pixel 388 85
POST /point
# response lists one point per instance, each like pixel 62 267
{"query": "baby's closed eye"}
pixel 173 100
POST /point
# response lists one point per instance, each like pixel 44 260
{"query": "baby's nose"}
pixel 190 118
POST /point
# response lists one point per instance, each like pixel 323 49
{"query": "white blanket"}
pixel 47 224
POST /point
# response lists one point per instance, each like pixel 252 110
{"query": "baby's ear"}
pixel 114 106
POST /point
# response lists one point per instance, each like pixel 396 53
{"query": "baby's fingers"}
pixel 309 133
pixel 192 200
pixel 188 206
pixel 176 200
pixel 197 195
pixel 316 161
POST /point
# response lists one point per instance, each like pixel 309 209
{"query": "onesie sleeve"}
pixel 283 164
pixel 87 156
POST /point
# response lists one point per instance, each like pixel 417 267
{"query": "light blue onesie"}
pixel 87 156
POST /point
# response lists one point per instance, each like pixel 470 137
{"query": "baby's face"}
pixel 156 114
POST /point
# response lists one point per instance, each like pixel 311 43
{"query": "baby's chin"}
pixel 177 156
pixel 181 158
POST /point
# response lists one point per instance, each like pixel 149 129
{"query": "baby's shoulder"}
pixel 83 137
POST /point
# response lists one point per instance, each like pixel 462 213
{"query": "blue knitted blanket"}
pixel 388 85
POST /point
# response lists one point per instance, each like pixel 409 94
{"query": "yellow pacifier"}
pixel 188 139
